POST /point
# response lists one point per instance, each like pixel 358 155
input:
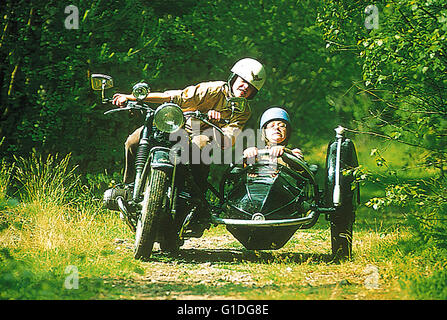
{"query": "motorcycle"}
pixel 261 204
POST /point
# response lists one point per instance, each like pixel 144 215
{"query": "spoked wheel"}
pixel 152 208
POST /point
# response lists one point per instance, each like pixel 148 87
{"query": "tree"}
pixel 46 102
pixel 404 63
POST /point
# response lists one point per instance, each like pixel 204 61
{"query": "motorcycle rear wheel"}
pixel 152 207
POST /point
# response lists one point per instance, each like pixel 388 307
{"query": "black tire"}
pixel 341 232
pixel 154 194
pixel 169 241
pixel 342 220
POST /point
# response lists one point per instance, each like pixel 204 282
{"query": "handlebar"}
pixel 130 105
pixel 263 152
pixel 134 105
pixel 203 117
pixel 299 166
pixel 286 154
pixel 266 152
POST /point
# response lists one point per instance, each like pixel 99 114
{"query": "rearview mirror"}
pixel 101 81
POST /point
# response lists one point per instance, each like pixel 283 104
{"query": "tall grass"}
pixel 47 181
pixel 5 178
pixel 57 224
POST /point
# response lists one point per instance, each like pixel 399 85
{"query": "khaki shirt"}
pixel 213 95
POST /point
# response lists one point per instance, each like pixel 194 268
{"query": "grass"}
pixel 53 229
pixel 58 233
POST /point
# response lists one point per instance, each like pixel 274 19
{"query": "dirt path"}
pixel 216 266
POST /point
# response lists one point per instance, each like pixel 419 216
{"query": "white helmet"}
pixel 251 71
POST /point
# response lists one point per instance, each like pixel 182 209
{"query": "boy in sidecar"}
pixel 265 203
pixel 276 129
pixel 279 188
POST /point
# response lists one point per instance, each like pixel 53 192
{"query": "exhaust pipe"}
pixel 124 214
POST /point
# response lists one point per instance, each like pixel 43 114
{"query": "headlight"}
pixel 140 90
pixel 169 117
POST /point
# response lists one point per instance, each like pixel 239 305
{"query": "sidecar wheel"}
pixel 341 223
pixel 152 207
pixel 341 233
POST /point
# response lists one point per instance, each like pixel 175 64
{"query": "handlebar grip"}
pixel 263 152
pixel 203 116
pixel 221 121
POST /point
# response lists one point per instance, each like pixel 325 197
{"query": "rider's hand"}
pixel 120 99
pixel 298 153
pixel 250 152
pixel 277 151
pixel 214 115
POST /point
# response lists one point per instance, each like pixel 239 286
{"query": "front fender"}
pixel 348 160
pixel 159 159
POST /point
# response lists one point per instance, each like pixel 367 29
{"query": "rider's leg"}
pixel 130 148
pixel 111 195
pixel 200 174
pixel 199 170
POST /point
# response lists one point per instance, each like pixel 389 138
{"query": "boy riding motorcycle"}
pixel 218 99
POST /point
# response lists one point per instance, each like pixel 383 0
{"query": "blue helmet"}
pixel 274 113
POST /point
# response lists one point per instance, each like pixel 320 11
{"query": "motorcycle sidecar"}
pixel 264 203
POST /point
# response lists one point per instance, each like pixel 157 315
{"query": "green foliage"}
pixel 404 67
pixel 6 171
pixel 47 104
pixel 430 288
pixel 427 281
pixel 21 281
pixel 5 177
pixel 46 100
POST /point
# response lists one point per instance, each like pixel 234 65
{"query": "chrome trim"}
pixel 265 223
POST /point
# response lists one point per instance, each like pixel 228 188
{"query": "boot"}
pixel 111 195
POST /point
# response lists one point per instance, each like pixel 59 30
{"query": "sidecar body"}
pixel 267 201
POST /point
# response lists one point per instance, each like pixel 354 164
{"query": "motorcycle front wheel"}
pixel 152 207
